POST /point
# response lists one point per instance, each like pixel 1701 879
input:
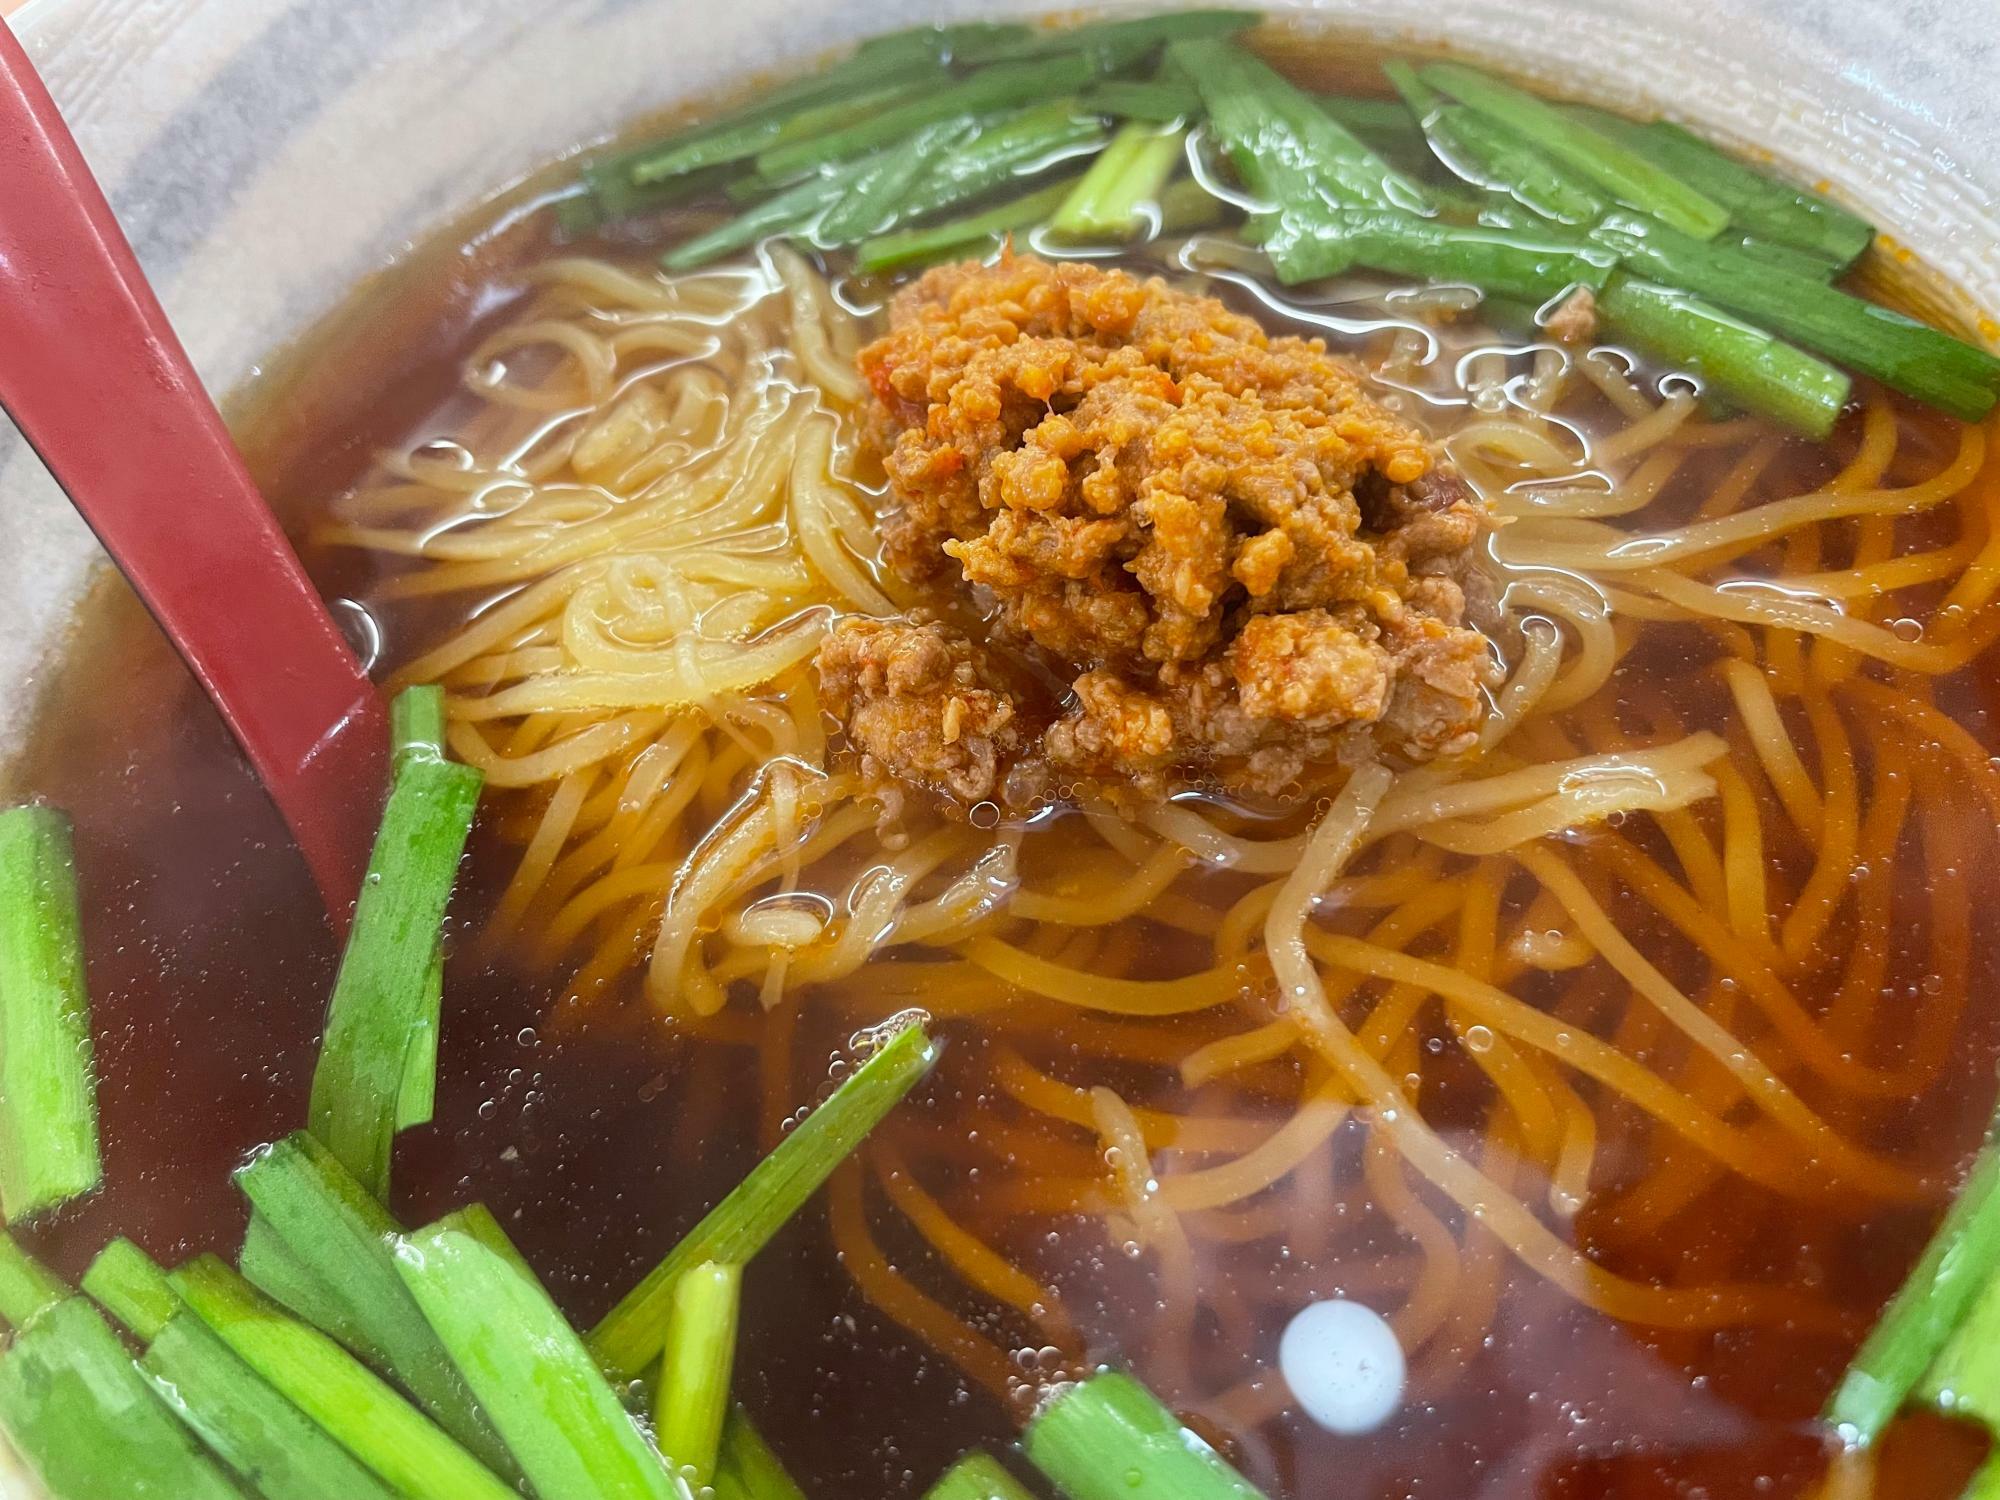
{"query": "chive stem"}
pixel 1964 1379
pixel 1110 201
pixel 78 1410
pixel 1185 206
pixel 632 1334
pixel 1115 45
pixel 1745 364
pixel 130 1286
pixel 276 1448
pixel 272 1445
pixel 417 722
pixel 747 1468
pixel 341 1239
pixel 1109 1438
pixel 878 193
pixel 977 1476
pixel 1487 154
pixel 1907 355
pixel 1963 1256
pixel 787 213
pixel 1157 101
pixel 1531 264
pixel 415 1456
pixel 964 236
pixel 268 1264
pixel 732 144
pixel 529 1370
pixel 27 1287
pixel 1383 124
pixel 988 91
pixel 48 1093
pixel 1758 203
pixel 382 994
pixel 693 1395
pixel 1622 172
pixel 1288 150
pixel 1004 154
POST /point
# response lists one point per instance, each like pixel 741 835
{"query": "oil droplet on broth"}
pixel 1344 1365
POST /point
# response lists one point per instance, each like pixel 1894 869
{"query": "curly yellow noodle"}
pixel 978 1263
pixel 1644 921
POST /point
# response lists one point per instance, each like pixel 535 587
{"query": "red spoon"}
pixel 92 374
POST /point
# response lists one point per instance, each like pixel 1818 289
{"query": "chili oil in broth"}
pixel 598 1137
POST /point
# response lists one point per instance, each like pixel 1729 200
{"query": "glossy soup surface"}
pixel 599 1136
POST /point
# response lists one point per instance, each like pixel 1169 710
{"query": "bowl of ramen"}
pixel 1175 753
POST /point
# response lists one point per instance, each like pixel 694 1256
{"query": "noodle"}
pixel 1644 931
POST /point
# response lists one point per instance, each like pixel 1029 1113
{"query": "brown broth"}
pixel 597 1143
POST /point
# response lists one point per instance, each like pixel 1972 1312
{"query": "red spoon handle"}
pixel 92 374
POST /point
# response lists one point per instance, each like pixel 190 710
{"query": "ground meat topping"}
pixel 920 704
pixel 1238 561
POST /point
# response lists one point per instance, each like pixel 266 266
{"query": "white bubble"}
pixel 1344 1365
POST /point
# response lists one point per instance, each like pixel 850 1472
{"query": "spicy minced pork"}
pixel 1231 561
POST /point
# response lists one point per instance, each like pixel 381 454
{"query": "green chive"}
pixel 1109 1438
pixel 415 1456
pixel 1159 101
pixel 269 1265
pixel 27 1287
pixel 971 235
pixel 1110 202
pixel 906 60
pixel 1186 206
pixel 1909 356
pixel 1620 171
pixel 477 1220
pixel 1288 150
pixel 1758 203
pixel 1115 45
pixel 416 1096
pixel 1021 144
pixel 417 727
pixel 48 1096
pixel 1786 258
pixel 382 995
pixel 1962 1259
pixel 964 42
pixel 714 148
pixel 1529 264
pixel 748 1469
pixel 879 193
pixel 1489 155
pixel 693 1395
pixel 787 213
pixel 1964 1379
pixel 78 1410
pixel 632 1334
pixel 132 1288
pixel 530 1371
pixel 1745 364
pixel 977 1476
pixel 272 1445
pixel 985 92
pixel 340 1237
pixel 1383 124
pixel 276 1448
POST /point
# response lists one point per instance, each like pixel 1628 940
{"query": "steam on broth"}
pixel 1619 1053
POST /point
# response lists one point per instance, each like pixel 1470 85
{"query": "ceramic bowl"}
pixel 265 155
